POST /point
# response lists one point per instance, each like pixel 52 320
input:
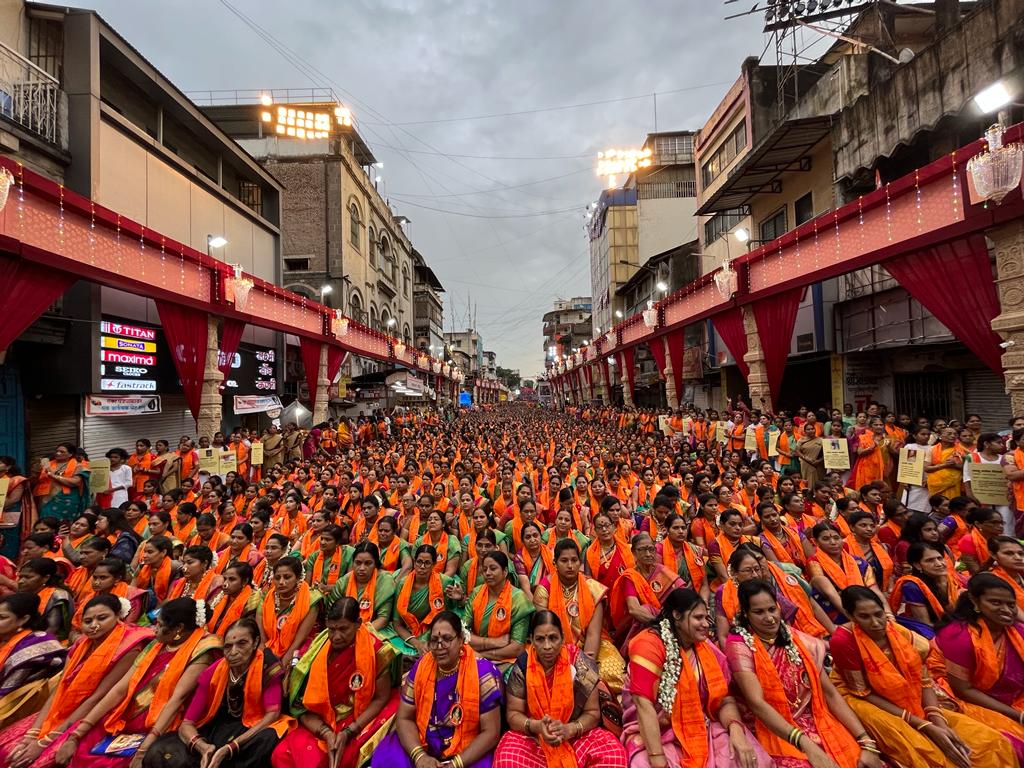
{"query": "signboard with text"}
pixel 253 371
pixel 128 357
pixel 121 405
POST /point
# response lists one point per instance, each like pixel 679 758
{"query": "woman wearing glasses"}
pixel 450 708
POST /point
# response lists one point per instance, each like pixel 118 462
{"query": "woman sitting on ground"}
pixel 28 658
pixel 340 692
pixel 39 576
pixel 420 597
pixel 450 708
pixel 237 598
pixel 636 598
pixel 289 612
pixel 110 577
pixel 554 716
pixel 922 597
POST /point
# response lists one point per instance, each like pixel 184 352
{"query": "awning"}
pixel 785 149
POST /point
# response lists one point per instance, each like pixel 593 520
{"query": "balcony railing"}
pixel 28 95
pixel 656 190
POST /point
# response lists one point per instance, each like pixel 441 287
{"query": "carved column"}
pixel 627 396
pixel 757 380
pixel 1009 323
pixel 601 388
pixel 670 379
pixel 210 400
pixel 323 385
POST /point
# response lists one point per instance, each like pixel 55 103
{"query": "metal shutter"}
pixel 984 395
pixel 101 433
pixel 50 419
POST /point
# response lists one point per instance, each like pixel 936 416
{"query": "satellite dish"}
pixel 906 55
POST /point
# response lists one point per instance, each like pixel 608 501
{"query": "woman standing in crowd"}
pixel 16 514
pixel 61 488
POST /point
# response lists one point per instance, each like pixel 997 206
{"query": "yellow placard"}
pixel 720 432
pixel 99 475
pixel 663 425
pixel 749 440
pixel 836 453
pixel 4 482
pixel 208 462
pixel 988 484
pixel 227 462
pixel 127 345
pixel 773 443
pixel 910 470
pixel 256 454
pixel 687 426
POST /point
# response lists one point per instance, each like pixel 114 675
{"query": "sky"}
pixel 487 115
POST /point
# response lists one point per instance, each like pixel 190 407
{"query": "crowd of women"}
pixel 524 588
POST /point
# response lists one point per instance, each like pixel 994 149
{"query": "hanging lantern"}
pixel 423 362
pixel 725 280
pixel 436 367
pixel 339 324
pixel 997 171
pixel 447 369
pixel 237 287
pixel 6 180
pixel 399 349
pixel 651 318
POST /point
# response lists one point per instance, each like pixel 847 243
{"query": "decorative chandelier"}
pixel 996 172
pixel 651 318
pixel 6 180
pixel 726 281
pixel 339 324
pixel 399 349
pixel 436 366
pixel 237 288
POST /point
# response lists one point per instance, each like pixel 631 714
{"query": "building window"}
pixel 734 143
pixel 373 247
pixel 385 253
pixel 722 222
pixel 46 46
pixel 673 150
pixel 405 281
pixel 774 226
pixel 251 196
pixel 296 265
pixel 803 209
pixel 354 225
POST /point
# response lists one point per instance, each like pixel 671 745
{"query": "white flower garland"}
pixel 200 613
pixel 671 669
pixel 791 650
pixel 126 607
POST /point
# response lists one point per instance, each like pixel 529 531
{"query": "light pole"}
pixel 214 241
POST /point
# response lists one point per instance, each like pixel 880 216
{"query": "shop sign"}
pixel 127 357
pixel 253 369
pixel 121 405
pixel 256 403
pixel 372 393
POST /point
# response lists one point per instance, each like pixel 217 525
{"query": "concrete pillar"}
pixel 604 387
pixel 670 378
pixel 757 381
pixel 323 385
pixel 210 399
pixel 1009 323
pixel 627 396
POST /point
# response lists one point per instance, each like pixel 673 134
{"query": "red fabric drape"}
pixel 729 325
pixel 676 339
pixel 657 346
pixel 28 290
pixel 310 353
pixel 588 377
pixel 606 371
pixel 187 335
pixel 626 358
pixel 335 359
pixel 954 282
pixel 230 337
pixel 775 318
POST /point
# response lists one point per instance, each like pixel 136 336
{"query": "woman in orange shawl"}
pixel 95 663
pixel 234 717
pixel 608 555
pixel 156 573
pixel 881 673
pixel 340 692
pixel 800 716
pixel 922 597
pixel 869 456
pixel 1008 564
pixel 636 597
pixel 151 699
pixel 984 523
pixel 944 467
pixel 287 614
pixel 832 569
pixel 677 706
pixel 237 598
pixel 553 688
pixel 199 581
pixel 450 705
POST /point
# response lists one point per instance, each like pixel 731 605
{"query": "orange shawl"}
pixel 584 603
pixel 465 713
pixel 280 638
pixel 6 648
pixel 952 592
pixel 593 556
pixel 987 666
pixel 843 577
pixel 228 611
pixel 115 722
pixel 897 679
pixel 435 602
pixel 501 614
pixel 835 739
pixel 880 552
pixel 781 551
pixel 688 719
pixel 202 588
pixel 790 587
pixel 694 563
pixel 369 593
pixel 252 706
pixel 1013 582
pixel 326 571
pixel 554 699
pixel 160 583
pixel 316 698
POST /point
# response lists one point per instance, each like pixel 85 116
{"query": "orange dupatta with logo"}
pixel 435 602
pixel 987 669
pixel 498 625
pixel 694 563
pixel 252 705
pixel 369 593
pixel 160 582
pixel 278 639
pixel 468 687
pixel 317 699
pixel 584 602
pixel 554 700
pixel 843 577
pixel 228 611
pixel 835 739
pixel 326 571
pixel 897 679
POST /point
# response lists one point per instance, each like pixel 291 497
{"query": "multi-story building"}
pixel 490 368
pixel 566 327
pixel 428 307
pixel 342 242
pixel 85 108
pixel 470 344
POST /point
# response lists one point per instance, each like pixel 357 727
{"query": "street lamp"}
pixel 993 98
pixel 660 285
pixel 618 313
pixel 325 289
pixel 214 241
pixel 742 235
pixel 391 322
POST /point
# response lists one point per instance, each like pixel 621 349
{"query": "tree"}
pixel 509 377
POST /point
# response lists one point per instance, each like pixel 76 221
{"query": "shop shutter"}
pixel 985 396
pixel 51 419
pixel 101 433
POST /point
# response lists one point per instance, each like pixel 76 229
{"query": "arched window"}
pixel 385 318
pixel 372 256
pixel 406 287
pixel 385 252
pixel 374 322
pixel 355 307
pixel 354 224
pixel 407 334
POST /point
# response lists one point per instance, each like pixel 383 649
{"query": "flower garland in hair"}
pixel 671 669
pixel 200 613
pixel 126 608
pixel 791 650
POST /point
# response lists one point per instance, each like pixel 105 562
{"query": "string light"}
pixel 956 191
pixel 860 218
pixel 917 199
pixel 21 201
pixel 888 214
pixel 142 252
pixel 60 218
pixel 92 233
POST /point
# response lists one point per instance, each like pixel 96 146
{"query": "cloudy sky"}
pixel 487 115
